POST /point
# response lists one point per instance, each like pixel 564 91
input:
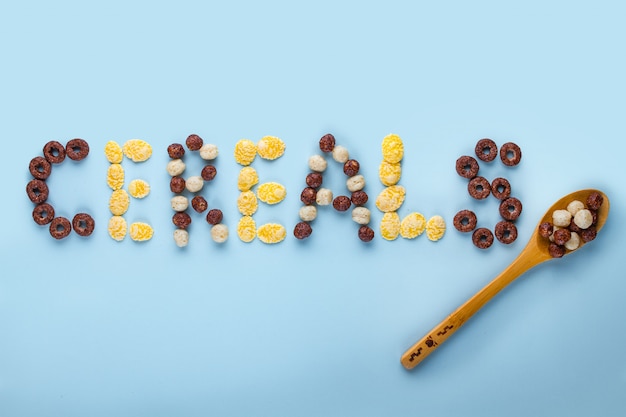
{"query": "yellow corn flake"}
pixel 115 176
pixel 246 229
pixel 271 233
pixel 248 178
pixel 119 202
pixel 117 228
pixel 412 225
pixel 247 203
pixel 140 232
pixel 137 150
pixel 390 226
pixel 270 147
pixel 393 149
pixel 113 152
pixel 271 192
pixel 245 152
pixel 389 173
pixel 391 198
pixel 435 228
pixel 138 188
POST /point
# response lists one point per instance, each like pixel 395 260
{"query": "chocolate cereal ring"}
pixel 83 224
pixel 482 238
pixel 43 214
pixel 40 168
pixel 37 191
pixel 60 228
pixel 510 154
pixel 486 150
pixel 510 208
pixel 54 152
pixel 465 221
pixel 467 167
pixel 506 232
pixel 77 149
pixel 501 188
pixel 479 188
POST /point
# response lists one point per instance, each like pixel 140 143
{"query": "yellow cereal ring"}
pixel 138 188
pixel 246 229
pixel 245 152
pixel 389 173
pixel 137 150
pixel 271 233
pixel 140 232
pixel 248 178
pixel 393 149
pixel 113 152
pixel 412 225
pixel 271 192
pixel 247 203
pixel 390 226
pixel 435 228
pixel 391 198
pixel 270 147
pixel 117 228
pixel 119 202
pixel 115 176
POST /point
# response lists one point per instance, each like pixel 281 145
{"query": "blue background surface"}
pixel 99 328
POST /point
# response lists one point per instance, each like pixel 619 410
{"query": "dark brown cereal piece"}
pixel 506 232
pixel 214 216
pixel 351 167
pixel 43 214
pixel 594 201
pixel 194 142
pixel 37 191
pixel 594 216
pixel 208 173
pixel 545 229
pixel 510 154
pixel 54 152
pixel 199 204
pixel 366 233
pixel 510 208
pixel 40 168
pixel 561 236
pixel 181 220
pixel 574 228
pixel 467 167
pixel 77 149
pixel 308 195
pixel 589 234
pixel 341 203
pixel 60 227
pixel 501 188
pixel 176 151
pixel 359 198
pixel 83 224
pixel 465 221
pixel 302 229
pixel 177 184
pixel 327 143
pixel 479 188
pixel 486 150
pixel 556 251
pixel 482 238
pixel 314 179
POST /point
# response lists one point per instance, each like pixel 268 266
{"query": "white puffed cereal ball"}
pixel 308 213
pixel 317 163
pixel 194 183
pixel 583 219
pixel 175 167
pixel 575 206
pixel 561 218
pixel 208 152
pixel 340 154
pixel 179 203
pixel 219 233
pixel 574 242
pixel 361 215
pixel 355 183
pixel 181 237
pixel 324 197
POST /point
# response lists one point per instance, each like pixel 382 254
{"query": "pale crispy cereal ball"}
pixel 248 178
pixel 317 163
pixel 181 237
pixel 561 218
pixel 390 226
pixel 271 192
pixel 208 152
pixel 391 198
pixel 270 147
pixel 115 176
pixel 219 233
pixel 137 150
pixel 119 202
pixel 340 154
pixel 138 188
pixel 247 203
pixel 355 183
pixel 393 149
pixel 361 215
pixel 324 197
pixel 271 233
pixel 179 203
pixel 113 152
pixel 175 167
pixel 194 183
pixel 574 242
pixel 245 152
pixel 389 173
pixel 140 232
pixel 117 228
pixel 435 228
pixel 412 225
pixel 575 206
pixel 308 213
pixel 246 229
pixel 583 219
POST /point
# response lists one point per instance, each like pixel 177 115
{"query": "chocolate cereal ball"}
pixel 176 151
pixel 359 198
pixel 199 204
pixel 594 201
pixel 208 173
pixel 181 220
pixel 194 142
pixel 308 196
pixel 314 179
pixel 561 236
pixel 177 185
pixel 366 233
pixel 556 251
pixel 302 230
pixel 545 229
pixel 341 203
pixel 351 167
pixel 214 216
pixel 327 143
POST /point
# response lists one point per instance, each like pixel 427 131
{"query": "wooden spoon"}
pixel 535 252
